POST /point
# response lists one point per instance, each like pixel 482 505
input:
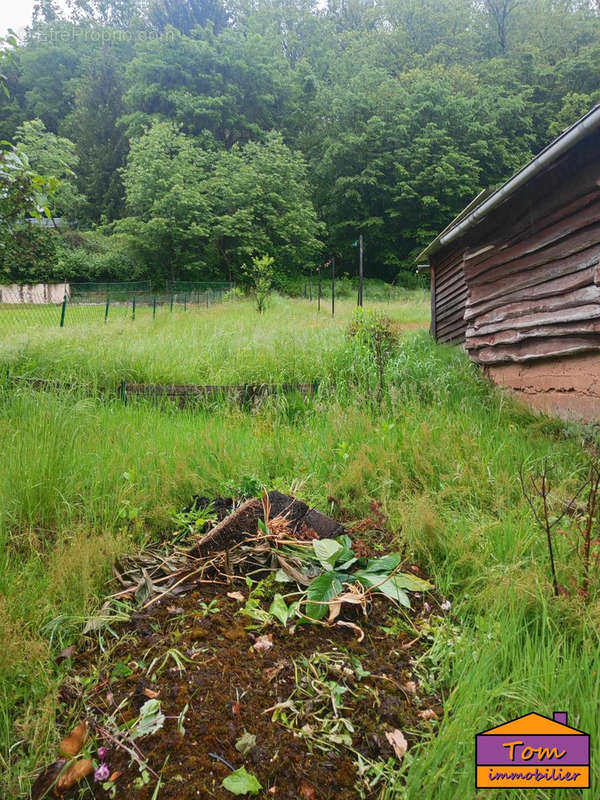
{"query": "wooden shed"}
pixel 515 278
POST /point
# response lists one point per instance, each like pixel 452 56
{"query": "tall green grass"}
pixel 228 344
pixel 82 480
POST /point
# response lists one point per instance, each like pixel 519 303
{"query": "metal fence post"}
pixel 319 292
pixel 107 308
pixel 185 302
pixel 154 308
pixel 207 297
pixel 360 272
pixel 63 312
pixel 133 305
pixel 172 303
pixel 333 286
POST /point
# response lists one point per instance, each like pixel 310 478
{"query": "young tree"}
pixel 260 278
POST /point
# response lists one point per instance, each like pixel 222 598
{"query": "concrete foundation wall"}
pixel 34 293
pixel 567 387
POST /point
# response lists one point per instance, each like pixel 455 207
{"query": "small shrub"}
pixel 374 339
pixel 260 276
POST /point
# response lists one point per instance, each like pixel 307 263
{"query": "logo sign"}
pixel 533 751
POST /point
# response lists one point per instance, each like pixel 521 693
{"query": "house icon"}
pixel 533 751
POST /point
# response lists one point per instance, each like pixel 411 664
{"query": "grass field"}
pixel 84 479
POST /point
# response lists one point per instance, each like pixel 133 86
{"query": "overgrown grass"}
pixel 226 344
pixel 82 480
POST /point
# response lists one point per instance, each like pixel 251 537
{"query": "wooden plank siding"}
pixel 540 296
pixel 524 283
pixel 449 297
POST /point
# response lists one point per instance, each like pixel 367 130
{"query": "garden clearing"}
pixel 86 479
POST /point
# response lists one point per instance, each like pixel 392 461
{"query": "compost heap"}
pixel 275 657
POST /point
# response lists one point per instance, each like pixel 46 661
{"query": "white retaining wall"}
pixel 35 293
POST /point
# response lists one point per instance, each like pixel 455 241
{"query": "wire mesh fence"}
pixel 69 305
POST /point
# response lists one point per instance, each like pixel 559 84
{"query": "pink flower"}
pixel 102 753
pixel 102 773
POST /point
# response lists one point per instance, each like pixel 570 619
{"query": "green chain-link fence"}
pixel 24 307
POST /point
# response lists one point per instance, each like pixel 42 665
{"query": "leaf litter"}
pixel 270 703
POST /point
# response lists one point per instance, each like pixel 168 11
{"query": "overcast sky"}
pixel 17 14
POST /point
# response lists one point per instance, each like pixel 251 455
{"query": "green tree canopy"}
pixel 53 155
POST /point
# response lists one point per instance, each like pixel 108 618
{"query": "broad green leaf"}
pixel 346 565
pixel 320 591
pixel 327 551
pixel 241 782
pixel 385 564
pixel 279 609
pixel 388 586
pixel 411 582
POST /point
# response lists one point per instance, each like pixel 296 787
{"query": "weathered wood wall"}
pixel 540 297
pixel 521 290
pixel 525 283
pixel 448 297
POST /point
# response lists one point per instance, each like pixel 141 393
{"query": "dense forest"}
pixel 180 138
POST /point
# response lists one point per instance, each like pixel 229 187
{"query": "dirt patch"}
pixel 313 698
pixel 227 685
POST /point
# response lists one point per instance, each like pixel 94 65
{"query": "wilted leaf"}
pixel 398 742
pixel 75 773
pixel 263 643
pixel 292 573
pixel 72 744
pixel 355 598
pixel 47 779
pixel 327 552
pixel 144 590
pixel 236 596
pixel 359 631
pixel 245 743
pixel 241 782
pixel 150 721
pixel 150 693
pixel 273 672
pixel 307 790
pixel 427 713
pixel 335 607
pixel 279 609
pixel 68 652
